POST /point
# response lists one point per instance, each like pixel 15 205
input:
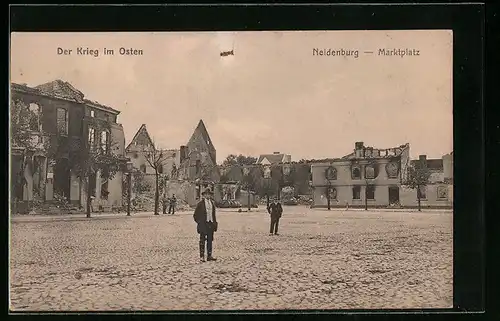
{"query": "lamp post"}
pixel 129 185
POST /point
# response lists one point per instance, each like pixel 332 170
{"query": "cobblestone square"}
pixel 321 260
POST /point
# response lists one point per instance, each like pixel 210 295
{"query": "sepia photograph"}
pixel 245 170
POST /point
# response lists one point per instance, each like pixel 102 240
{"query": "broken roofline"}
pixel 395 148
pixel 143 129
pixel 31 90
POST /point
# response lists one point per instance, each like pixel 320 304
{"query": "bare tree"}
pixel 154 157
pixel 417 178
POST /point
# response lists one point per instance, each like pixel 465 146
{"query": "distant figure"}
pixel 92 198
pixel 204 216
pixel 171 207
pixel 275 210
pixel 346 205
pixel 164 202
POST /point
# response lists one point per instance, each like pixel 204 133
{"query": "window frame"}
pixel 60 130
pixel 352 173
pixel 38 116
pixel 358 189
pixel 91 137
pixel 105 146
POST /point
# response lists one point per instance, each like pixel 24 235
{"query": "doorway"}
pixel 393 195
pixel 62 178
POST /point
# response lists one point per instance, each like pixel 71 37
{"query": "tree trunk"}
pixel 418 198
pixel 366 200
pixel 267 200
pixel 328 192
pixel 129 192
pixel 249 207
pixel 157 193
pixel 89 196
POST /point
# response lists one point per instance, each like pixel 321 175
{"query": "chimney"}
pixel 422 159
pixel 358 149
pixel 183 153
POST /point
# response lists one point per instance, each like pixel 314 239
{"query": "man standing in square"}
pixel 171 206
pixel 275 210
pixel 204 216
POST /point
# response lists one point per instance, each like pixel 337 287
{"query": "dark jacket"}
pixel 276 210
pixel 200 217
pixel 172 200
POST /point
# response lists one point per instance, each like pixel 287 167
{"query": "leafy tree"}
pixel 245 160
pixel 98 155
pixel 277 178
pixel 267 189
pixel 21 119
pixel 23 123
pixel 206 172
pixel 302 173
pixel 249 182
pixel 290 178
pixel 417 178
pixel 232 160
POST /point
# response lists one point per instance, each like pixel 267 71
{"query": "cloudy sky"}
pixel 272 95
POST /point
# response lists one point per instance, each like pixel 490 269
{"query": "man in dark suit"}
pixel 171 207
pixel 275 210
pixel 204 216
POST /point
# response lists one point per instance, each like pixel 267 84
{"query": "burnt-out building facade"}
pixel 59 122
pixel 367 176
pixel 375 177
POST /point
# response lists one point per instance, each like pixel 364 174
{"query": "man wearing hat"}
pixel 204 216
pixel 275 210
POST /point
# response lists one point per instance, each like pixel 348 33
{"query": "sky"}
pixel 273 95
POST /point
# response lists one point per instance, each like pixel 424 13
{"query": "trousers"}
pixel 171 209
pixel 206 239
pixel 274 225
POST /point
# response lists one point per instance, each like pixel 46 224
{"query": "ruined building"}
pixel 188 170
pixel 137 152
pixel 198 161
pixel 375 177
pixel 59 116
pixel 274 158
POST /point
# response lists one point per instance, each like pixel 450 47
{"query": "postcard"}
pixel 255 170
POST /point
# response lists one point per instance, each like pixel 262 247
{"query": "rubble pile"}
pixel 146 203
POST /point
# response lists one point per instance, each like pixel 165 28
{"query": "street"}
pixel 321 260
